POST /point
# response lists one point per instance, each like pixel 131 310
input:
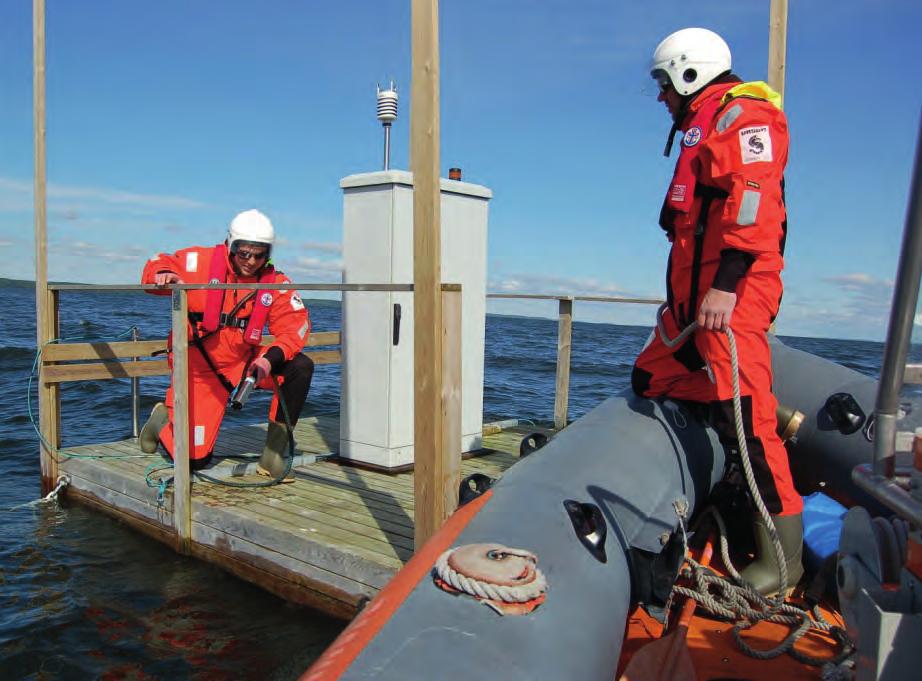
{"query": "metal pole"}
pixel 387 147
pixel 902 313
pixel 135 391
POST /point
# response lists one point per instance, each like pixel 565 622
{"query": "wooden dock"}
pixel 329 540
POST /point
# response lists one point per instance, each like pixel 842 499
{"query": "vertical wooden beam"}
pixel 777 55
pixel 777 45
pixel 53 323
pixel 562 391
pixel 182 485
pixel 450 474
pixel 430 453
pixel 47 396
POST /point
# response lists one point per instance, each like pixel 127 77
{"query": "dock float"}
pixel 330 540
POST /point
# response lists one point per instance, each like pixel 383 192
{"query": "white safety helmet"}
pixel 250 226
pixel 690 58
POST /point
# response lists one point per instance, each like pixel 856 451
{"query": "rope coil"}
pixel 740 602
pixel 492 573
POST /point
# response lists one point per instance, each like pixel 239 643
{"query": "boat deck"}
pixel 330 540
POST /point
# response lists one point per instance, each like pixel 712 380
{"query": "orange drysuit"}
pixel 725 216
pixel 218 359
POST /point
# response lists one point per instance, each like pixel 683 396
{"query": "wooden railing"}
pixel 95 361
pixel 131 359
pixel 564 340
pixel 106 358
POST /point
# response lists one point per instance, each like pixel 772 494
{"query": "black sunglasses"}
pixel 251 255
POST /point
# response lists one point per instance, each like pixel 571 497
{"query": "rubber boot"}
pixel 762 572
pixel 272 461
pixel 149 436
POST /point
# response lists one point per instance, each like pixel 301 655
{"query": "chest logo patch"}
pixel 755 144
pixel 266 299
pixel 692 137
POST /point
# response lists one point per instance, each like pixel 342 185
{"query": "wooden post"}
pixel 449 478
pixel 53 325
pixel 777 51
pixel 777 45
pixel 430 454
pixel 44 327
pixel 562 391
pixel 182 487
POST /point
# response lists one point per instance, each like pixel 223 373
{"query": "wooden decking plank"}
pixel 138 466
pixel 484 464
pixel 305 495
pixel 367 480
pixel 307 485
pixel 118 492
pixel 382 530
pixel 338 529
pixel 397 484
pixel 228 543
pixel 252 441
pixel 371 544
pixel 379 531
pixel 361 565
pixel 297 536
pixel 346 530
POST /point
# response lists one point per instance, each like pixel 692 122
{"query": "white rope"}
pixel 483 589
pixel 62 482
pixel 740 602
pixel 746 607
pixel 741 440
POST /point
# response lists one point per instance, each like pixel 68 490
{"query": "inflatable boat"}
pixel 583 530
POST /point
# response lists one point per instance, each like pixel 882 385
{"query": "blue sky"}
pixel 165 118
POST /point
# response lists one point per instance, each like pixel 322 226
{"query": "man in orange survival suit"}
pixel 725 216
pixel 225 333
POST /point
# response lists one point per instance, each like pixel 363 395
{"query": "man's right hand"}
pixel 165 278
pixel 260 368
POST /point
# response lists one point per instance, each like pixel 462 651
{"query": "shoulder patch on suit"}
pixel 296 303
pixel 755 144
pixel 692 137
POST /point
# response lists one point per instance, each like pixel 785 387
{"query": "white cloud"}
pixel 859 307
pixel 318 264
pixel 313 270
pixel 551 284
pixel 323 246
pixel 96 253
pixel 59 192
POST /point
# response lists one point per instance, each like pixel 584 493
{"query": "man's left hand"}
pixel 716 310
